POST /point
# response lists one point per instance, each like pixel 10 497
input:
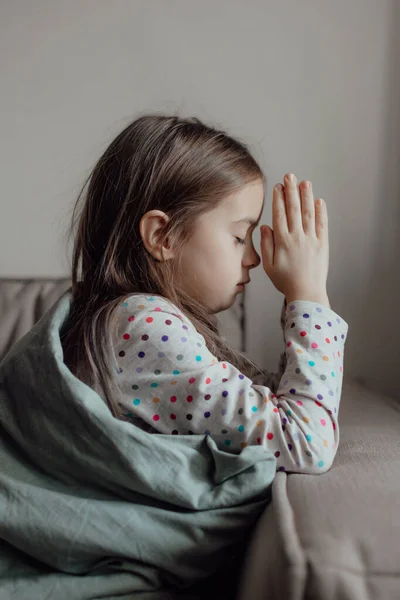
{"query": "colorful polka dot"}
pixel 136 402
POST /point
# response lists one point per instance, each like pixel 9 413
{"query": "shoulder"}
pixel 142 304
pixel 157 322
pixel 140 310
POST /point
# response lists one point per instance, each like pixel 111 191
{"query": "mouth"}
pixel 243 283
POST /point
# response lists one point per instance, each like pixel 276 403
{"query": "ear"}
pixel 152 226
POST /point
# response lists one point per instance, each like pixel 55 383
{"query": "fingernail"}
pixel 290 177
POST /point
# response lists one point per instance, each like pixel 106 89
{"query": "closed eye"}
pixel 240 241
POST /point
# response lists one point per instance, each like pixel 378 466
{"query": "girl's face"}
pixel 220 254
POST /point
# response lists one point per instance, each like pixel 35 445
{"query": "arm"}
pixel 272 379
pixel 171 381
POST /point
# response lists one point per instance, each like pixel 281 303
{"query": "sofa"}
pixel 334 536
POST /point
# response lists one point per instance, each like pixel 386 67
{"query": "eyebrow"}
pixel 248 220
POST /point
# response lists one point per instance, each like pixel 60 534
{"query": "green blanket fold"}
pixel 93 507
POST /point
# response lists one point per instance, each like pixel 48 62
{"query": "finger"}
pixel 307 207
pixel 293 204
pixel 267 246
pixel 279 219
pixel 321 220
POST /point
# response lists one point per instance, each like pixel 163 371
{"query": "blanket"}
pixel 94 507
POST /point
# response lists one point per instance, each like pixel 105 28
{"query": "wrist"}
pixel 321 298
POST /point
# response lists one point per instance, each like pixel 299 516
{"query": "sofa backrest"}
pixel 25 301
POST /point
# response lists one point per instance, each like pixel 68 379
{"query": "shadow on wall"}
pixel 378 326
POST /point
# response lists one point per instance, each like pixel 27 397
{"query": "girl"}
pixel 164 242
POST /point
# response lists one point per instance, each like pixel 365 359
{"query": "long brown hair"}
pixel 180 166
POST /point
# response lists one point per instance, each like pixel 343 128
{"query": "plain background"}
pixel 311 86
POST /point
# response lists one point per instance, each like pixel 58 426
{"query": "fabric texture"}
pixel 336 537
pixel 94 507
pixel 171 383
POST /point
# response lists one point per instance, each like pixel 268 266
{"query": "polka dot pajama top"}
pixel 172 384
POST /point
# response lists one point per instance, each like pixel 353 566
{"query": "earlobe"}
pixel 152 228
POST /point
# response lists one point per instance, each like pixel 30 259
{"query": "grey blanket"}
pixel 94 507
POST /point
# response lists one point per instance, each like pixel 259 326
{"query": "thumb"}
pixel 267 246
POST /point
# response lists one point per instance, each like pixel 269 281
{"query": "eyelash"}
pixel 240 241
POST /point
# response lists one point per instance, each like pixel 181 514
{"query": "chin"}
pixel 225 305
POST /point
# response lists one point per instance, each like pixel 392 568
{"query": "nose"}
pixel 251 259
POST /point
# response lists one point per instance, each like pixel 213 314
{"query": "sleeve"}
pixel 172 381
pixel 269 378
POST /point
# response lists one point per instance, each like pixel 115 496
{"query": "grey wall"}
pixel 312 86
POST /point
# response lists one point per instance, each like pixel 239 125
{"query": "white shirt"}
pixel 172 384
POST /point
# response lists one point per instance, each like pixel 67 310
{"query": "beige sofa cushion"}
pixel 336 536
pixel 22 303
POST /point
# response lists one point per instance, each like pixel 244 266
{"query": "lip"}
pixel 244 282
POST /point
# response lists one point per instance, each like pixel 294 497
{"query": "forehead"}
pixel 245 204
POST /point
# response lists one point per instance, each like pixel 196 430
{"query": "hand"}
pixel 295 253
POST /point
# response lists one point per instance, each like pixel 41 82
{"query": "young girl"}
pixel 164 242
